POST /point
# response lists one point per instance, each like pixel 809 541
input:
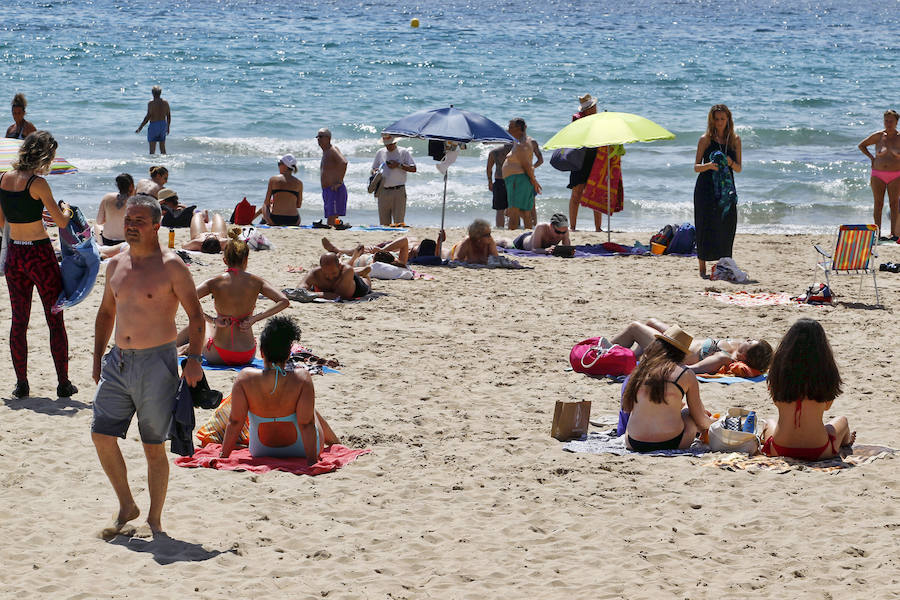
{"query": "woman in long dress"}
pixel 715 199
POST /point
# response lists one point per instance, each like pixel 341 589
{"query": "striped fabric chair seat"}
pixel 855 247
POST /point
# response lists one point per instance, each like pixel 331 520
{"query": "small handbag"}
pixel 592 357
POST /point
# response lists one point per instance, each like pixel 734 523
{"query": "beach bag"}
pixel 180 217
pixel 594 356
pixel 567 159
pixel 729 440
pixel 684 240
pixel 570 419
pixel 243 213
pixel 375 181
pixel 664 236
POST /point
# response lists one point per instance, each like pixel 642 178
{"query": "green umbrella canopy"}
pixel 607 129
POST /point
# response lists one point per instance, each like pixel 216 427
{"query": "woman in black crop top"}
pixel 30 260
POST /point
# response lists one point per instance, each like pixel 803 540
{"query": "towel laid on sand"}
pixel 588 250
pixel 604 443
pixel 258 363
pixel 304 295
pixel 756 298
pixel 354 228
pixel 859 454
pixel 500 262
pixel 728 379
pixel 332 458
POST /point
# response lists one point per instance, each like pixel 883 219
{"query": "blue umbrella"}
pixel 450 125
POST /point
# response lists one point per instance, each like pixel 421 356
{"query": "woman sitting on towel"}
pixel 803 383
pixel 743 358
pixel 235 293
pixel 280 404
pixel 655 396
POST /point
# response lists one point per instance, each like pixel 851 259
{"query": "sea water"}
pixel 250 80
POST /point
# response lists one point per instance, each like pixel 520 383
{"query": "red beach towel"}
pixel 595 190
pixel 332 458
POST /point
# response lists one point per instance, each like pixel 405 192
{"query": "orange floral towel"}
pixel 595 190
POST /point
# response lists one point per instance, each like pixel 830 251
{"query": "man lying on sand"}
pixel 333 280
pixel 544 238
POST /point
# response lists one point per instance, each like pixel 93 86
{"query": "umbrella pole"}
pixel 444 204
pixel 608 194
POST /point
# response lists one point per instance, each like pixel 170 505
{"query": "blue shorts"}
pixel 335 201
pixel 143 381
pixel 156 131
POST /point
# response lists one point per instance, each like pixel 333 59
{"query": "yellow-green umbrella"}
pixel 607 129
pixel 9 149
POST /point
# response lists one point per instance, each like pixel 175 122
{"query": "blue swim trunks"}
pixel 335 201
pixel 156 131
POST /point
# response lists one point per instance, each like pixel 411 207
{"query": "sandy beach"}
pixel 452 384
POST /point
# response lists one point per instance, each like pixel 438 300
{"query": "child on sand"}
pixel 803 383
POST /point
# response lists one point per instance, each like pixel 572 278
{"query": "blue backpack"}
pixel 684 241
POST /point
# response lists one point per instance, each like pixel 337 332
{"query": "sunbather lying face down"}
pixel 655 396
pixel 331 279
pixel 281 404
pixel 403 247
pixel 803 383
pixel 704 356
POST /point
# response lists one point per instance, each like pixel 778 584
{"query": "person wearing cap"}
pixel 656 393
pixel 392 193
pixel 332 170
pixel 284 195
pixel 587 106
pixel 518 174
pixel 545 237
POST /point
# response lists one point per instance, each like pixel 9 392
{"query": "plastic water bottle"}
pixel 171 238
pixel 750 422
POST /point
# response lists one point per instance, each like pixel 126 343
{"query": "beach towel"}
pixel 606 443
pixel 354 228
pixel 80 261
pixel 859 454
pixel 595 191
pixel 332 458
pixel 750 298
pixel 258 364
pixel 723 183
pixel 494 262
pixel 304 295
pixel 728 379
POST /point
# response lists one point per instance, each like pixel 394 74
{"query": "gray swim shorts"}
pixel 143 381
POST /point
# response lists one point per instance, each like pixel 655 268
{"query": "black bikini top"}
pixel 20 207
pixel 294 192
pixel 675 382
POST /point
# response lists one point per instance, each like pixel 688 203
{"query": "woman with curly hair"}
pixel 30 260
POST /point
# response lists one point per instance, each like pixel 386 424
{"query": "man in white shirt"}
pixel 392 193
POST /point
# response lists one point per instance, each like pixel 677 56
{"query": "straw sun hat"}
pixel 678 338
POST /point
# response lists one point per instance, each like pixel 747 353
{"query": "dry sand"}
pixel 452 383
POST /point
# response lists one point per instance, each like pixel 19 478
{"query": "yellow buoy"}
pixel 414 23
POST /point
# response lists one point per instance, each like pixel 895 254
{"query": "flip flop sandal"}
pixel 320 225
pixel 341 226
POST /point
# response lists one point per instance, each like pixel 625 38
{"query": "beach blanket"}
pixel 354 228
pixel 258 363
pixel 605 443
pixel 596 195
pixel 332 458
pixel 728 379
pixel 501 262
pixel 859 454
pixel 751 298
pixel 303 295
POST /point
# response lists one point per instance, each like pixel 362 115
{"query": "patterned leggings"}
pixel 27 266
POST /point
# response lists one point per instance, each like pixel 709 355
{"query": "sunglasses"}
pixel 558 232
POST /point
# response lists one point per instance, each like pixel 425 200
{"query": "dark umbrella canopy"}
pixel 449 124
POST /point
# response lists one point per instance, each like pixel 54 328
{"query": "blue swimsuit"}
pixel 257 448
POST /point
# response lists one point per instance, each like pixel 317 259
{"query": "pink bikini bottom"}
pixel 885 176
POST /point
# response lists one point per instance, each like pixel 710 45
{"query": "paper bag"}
pixel 570 419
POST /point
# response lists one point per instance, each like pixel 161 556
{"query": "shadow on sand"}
pixel 61 407
pixel 167 550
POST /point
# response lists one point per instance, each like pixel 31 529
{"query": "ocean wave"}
pixel 762 137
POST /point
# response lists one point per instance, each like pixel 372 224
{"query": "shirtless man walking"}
pixel 144 286
pixel 333 280
pixel 885 171
pixel 160 120
pixel 333 168
pixel 518 173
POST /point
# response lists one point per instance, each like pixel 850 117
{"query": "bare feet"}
pixel 329 246
pixel 851 440
pixel 147 531
pixel 120 525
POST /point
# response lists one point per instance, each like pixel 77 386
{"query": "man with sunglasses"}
pixel 546 236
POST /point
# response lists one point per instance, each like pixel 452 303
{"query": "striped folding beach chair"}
pixel 853 252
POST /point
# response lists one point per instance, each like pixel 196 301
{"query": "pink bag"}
pixel 590 357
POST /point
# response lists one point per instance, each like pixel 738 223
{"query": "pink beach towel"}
pixel 333 458
pixel 751 299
